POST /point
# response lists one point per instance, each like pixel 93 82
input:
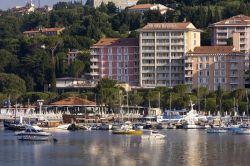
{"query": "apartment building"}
pixel 117 59
pixel 214 66
pixel 236 27
pixel 162 51
pixel 44 31
pixel 120 4
pixel 141 8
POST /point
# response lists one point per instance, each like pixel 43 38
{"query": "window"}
pixel 223 73
pixel 119 50
pixel 126 57
pixel 126 50
pixel 216 72
pixel 222 65
pixel 119 57
pixel 110 50
pixel 216 65
pixel 110 57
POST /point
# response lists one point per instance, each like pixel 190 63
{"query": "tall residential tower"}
pixel 162 52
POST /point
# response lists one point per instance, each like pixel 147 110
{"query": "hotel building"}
pixel 117 59
pixel 162 52
pixel 214 66
pixel 237 27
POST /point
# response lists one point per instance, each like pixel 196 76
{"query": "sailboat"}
pixel 126 128
pixel 244 130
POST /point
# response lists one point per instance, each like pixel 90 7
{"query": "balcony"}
pixel 233 67
pixel 148 78
pixel 148 71
pixel 148 37
pixel 148 44
pixel 94 52
pixel 148 51
pixel 177 50
pixel 178 43
pixel 189 82
pixel 234 75
pixel 94 60
pixel 234 82
pixel 162 37
pixel 177 37
pixel 148 57
pixel 94 67
pixel 188 68
pixel 162 51
pixel 94 73
pixel 221 31
pixel 162 44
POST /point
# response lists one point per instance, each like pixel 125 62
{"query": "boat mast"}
pixel 247 107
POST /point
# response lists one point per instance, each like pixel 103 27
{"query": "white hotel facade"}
pixel 162 50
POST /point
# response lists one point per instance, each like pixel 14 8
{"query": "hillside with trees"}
pixel 28 60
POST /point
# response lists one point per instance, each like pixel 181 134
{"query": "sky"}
pixel 6 4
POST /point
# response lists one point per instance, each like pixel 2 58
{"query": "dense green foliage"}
pixel 29 58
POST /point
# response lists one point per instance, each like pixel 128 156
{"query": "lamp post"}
pixel 40 103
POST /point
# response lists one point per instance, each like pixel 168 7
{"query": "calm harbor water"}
pixel 92 148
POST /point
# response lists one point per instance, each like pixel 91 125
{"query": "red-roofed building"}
pixel 117 59
pixel 237 27
pixel 73 101
pixel 44 31
pixel 141 8
pixel 214 66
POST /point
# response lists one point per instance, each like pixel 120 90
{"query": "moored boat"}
pixel 217 130
pixel 33 133
pixel 242 131
pixel 129 132
pixel 150 134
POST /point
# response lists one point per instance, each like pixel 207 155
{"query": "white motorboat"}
pixel 217 130
pixel 242 131
pixel 33 133
pixel 150 134
pixel 63 126
pixel 192 119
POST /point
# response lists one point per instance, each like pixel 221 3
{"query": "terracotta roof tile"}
pixel 73 101
pixel 235 20
pixel 142 6
pixel 117 42
pixel 214 50
pixel 166 26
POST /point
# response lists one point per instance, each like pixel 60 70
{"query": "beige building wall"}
pixel 214 70
pixel 121 4
pixel 162 53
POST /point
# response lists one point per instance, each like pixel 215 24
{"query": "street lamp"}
pixel 40 103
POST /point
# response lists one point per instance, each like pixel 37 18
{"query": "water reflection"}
pixel 180 147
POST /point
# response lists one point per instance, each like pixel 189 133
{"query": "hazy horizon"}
pixel 6 4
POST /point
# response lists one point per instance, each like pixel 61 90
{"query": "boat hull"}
pixel 217 131
pixel 33 138
pixel 129 132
